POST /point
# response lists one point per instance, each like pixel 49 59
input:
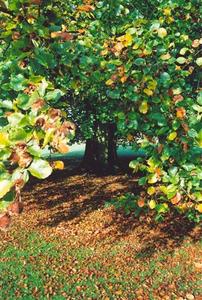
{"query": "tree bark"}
pixel 112 148
pixel 101 154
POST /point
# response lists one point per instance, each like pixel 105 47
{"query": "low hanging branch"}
pixel 6 11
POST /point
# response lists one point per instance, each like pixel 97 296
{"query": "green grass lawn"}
pixel 33 268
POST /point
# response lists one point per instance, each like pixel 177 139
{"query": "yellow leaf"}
pixel 143 108
pixel 163 189
pixel 147 52
pixel 109 82
pixel 3 139
pixel 128 39
pixel 118 47
pixel 54 35
pixel 104 52
pixel 183 51
pixel 5 186
pixel 184 37
pixel 177 91
pixel 148 92
pixel 152 204
pixel 152 85
pixel 167 11
pixel 165 56
pixel 196 43
pixel 151 190
pixel 199 208
pixel 130 137
pixel 119 292
pixel 172 136
pixel 124 79
pixel 170 20
pixel 153 178
pixel 58 165
pixel 121 38
pixel 162 32
pixel 136 46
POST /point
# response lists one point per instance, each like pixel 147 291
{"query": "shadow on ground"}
pixel 73 206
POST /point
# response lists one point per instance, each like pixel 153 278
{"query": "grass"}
pixel 33 268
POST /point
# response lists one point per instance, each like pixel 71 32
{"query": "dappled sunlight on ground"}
pixel 119 254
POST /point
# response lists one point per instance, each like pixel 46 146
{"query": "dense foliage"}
pixel 30 124
pixel 132 65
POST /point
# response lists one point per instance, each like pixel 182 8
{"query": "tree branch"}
pixel 6 11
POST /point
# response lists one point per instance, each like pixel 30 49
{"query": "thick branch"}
pixel 6 11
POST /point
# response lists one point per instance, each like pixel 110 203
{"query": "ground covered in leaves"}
pixel 68 245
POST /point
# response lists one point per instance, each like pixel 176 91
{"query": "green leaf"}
pixel 42 88
pixel 162 208
pixel 45 58
pixel 54 95
pixel 134 164
pixel 199 61
pixel 140 61
pixel 17 82
pixel 34 150
pixel 199 98
pixel 8 104
pixel 114 94
pixel 5 186
pixel 165 79
pixel 40 168
pixel 18 134
pixel 181 60
pixel 23 101
pixel 198 108
pixel 15 118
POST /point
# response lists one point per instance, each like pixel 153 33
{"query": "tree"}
pixel 121 70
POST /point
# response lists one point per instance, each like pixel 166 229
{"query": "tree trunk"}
pixel 112 148
pixel 101 154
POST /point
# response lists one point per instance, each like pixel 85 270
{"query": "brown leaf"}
pixel 14 158
pixel 54 113
pixel 66 36
pixel 16 208
pixel 86 8
pixel 185 127
pixel 25 159
pixel 66 127
pixel 36 2
pixel 185 146
pixel 40 122
pixel 176 199
pixel 5 221
pixel 16 35
pixel 178 98
pixel 38 104
pixel 160 148
pixel 62 147
pixel 141 202
pixel 181 113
